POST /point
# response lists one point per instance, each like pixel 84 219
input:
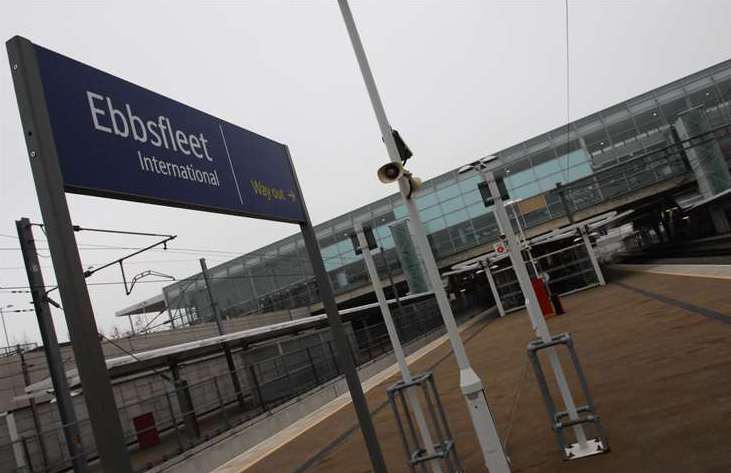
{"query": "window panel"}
pixel 525 191
pixel 518 179
pixel 549 182
pixel 430 213
pixel 472 197
pixel 470 183
pixel 548 168
pixel 435 225
pixel 456 217
pixel 448 193
pixel 425 201
pixel 452 205
pixel 577 172
pixel 476 210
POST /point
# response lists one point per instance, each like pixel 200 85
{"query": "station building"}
pixel 630 155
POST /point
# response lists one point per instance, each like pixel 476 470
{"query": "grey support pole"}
pixel 470 384
pixel 56 369
pixel 226 350
pixel 584 237
pixel 33 408
pixel 341 342
pixel 83 332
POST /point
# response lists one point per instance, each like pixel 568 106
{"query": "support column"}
pixel 584 237
pixel 56 369
pixel 226 350
pixel 398 351
pixel 493 288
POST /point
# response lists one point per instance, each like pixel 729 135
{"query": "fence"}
pixel 166 412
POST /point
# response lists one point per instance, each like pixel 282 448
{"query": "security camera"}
pixel 390 172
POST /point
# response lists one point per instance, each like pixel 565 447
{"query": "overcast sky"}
pixel 458 79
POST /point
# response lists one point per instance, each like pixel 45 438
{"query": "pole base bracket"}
pixel 593 447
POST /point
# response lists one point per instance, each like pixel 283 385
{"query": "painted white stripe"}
pixel 236 181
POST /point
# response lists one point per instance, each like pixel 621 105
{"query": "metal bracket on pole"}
pixel 443 451
pixel 560 419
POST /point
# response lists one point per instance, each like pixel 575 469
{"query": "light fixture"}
pixel 480 163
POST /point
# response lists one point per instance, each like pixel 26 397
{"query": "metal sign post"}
pixel 470 384
pixel 341 345
pixel 341 341
pixel 50 346
pixel 398 350
pixel 79 314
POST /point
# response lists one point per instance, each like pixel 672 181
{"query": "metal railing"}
pixel 163 415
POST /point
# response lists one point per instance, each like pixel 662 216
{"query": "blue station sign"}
pixel 116 139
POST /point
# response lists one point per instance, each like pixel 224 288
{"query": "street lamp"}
pixel 2 316
pixel 470 383
pixel 583 446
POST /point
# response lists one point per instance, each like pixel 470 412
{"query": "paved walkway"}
pixel 659 370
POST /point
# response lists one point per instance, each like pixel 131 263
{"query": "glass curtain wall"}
pixel 605 155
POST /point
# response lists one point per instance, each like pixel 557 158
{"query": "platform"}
pixel 656 350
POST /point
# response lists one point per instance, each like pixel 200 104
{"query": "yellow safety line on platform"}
pixel 667 270
pixel 280 439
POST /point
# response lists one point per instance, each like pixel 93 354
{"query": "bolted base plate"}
pixel 593 447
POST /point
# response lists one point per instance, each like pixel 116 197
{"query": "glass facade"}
pixel 607 154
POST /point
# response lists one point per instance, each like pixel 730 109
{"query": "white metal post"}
pixel 398 351
pixel 493 287
pixel 470 384
pixel 531 304
pixel 592 256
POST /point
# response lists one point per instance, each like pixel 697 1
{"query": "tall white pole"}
pixel 470 384
pixel 531 303
pixel 398 351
